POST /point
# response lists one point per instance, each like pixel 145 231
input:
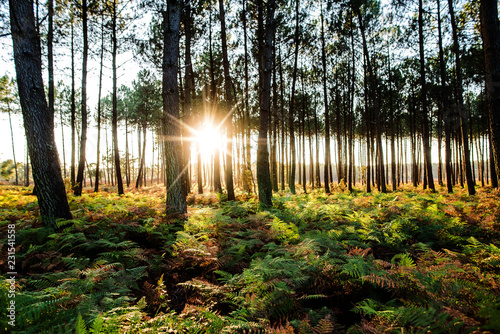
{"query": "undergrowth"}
pixel 403 262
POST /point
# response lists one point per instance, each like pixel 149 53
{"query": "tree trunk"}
pixel 50 56
pixel 65 175
pixel 491 45
pixel 176 201
pixel 282 113
pixel 73 109
pixel 265 40
pixel 229 105
pixel 188 87
pixel 13 148
pixel 327 116
pixel 38 122
pixel 83 138
pixel 114 124
pixel 98 158
pixel 142 161
pixel 274 122
pixel 460 100
pixel 425 123
pixel 293 163
pixel 393 147
pixel 27 167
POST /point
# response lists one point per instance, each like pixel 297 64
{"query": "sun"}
pixel 208 139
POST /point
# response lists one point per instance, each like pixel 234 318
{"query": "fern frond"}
pixel 80 327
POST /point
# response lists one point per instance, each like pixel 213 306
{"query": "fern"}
pixel 97 325
pixel 80 327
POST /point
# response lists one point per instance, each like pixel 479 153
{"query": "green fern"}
pixel 80 327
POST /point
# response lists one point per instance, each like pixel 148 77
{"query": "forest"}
pixel 249 166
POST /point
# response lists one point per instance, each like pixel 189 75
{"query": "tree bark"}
pixel 13 148
pixel 265 41
pixel 114 120
pixel 491 46
pixel 229 105
pixel 423 97
pixel 38 122
pixel 97 166
pixel 176 201
pixel 327 116
pixel 83 138
pixel 73 109
pixel 460 101
pixel 293 163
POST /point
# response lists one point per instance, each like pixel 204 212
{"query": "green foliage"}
pixel 121 266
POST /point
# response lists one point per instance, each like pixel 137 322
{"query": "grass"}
pixel 409 261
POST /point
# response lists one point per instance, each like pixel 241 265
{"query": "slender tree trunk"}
pixel 27 167
pixel 443 106
pixel 83 139
pixel 213 94
pixel 188 87
pixel 293 163
pixel 494 178
pixel 491 45
pixel 393 147
pixel 98 158
pixel 38 121
pixel 282 113
pixel 13 148
pixel 327 116
pixel 73 108
pixel 142 161
pixel 274 122
pixel 459 92
pixel 50 56
pixel 229 106
pixel 425 123
pixel 63 145
pixel 114 124
pixel 265 40
pixel 176 201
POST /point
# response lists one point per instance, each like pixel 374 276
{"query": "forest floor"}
pixel 404 262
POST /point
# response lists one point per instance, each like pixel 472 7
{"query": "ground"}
pixel 409 261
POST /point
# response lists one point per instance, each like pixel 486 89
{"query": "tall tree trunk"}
pixel 98 158
pixel 142 161
pixel 376 108
pixel 176 201
pixel 274 122
pixel 491 45
pixel 248 156
pixel 229 105
pixel 188 89
pixel 340 175
pixel 65 175
pixel 444 107
pixel 13 148
pixel 265 40
pixel 83 139
pixel 391 111
pixel 38 121
pixel 27 167
pixel 494 179
pixel 460 101
pixel 423 97
pixel 73 108
pixel 282 114
pixel 50 56
pixel 327 116
pixel 214 108
pixel 293 163
pixel 114 124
